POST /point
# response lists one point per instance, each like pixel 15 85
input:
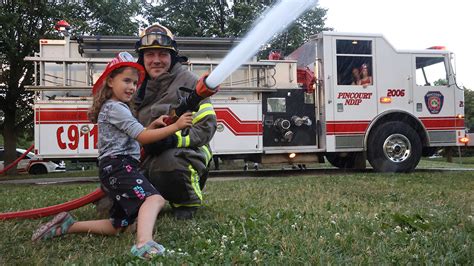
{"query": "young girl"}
pixel 120 133
pixel 365 80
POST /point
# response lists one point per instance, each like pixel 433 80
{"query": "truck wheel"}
pixel 343 160
pixel 394 147
pixel 38 169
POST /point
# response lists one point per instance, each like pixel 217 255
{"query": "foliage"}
pixel 22 24
pixel 440 82
pixel 364 218
pixel 103 17
pixel 219 19
pixel 469 108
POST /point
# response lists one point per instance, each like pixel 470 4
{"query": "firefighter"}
pixel 178 165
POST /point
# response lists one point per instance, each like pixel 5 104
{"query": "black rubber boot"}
pixel 184 213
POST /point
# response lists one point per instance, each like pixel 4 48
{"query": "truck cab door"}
pixel 354 93
pixel 433 98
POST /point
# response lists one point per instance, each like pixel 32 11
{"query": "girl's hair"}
pixel 104 94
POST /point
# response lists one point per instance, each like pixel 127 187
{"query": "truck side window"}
pixel 353 56
pixel 431 71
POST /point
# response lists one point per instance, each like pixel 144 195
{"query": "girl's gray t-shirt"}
pixel 118 130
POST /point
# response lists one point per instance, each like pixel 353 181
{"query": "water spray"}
pixel 270 23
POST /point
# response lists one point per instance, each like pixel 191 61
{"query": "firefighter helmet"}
pixel 123 59
pixel 157 36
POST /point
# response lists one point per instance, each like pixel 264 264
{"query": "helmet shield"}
pixel 157 36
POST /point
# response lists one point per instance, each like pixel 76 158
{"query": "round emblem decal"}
pixel 85 129
pixel 434 101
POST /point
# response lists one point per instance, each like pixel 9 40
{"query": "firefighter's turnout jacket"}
pixel 176 171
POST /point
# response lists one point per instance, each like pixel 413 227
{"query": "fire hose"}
pixel 14 163
pixel 274 21
pixel 51 210
pixel 55 209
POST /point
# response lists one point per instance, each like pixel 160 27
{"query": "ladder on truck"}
pixel 68 73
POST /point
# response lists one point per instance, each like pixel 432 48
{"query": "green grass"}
pixel 419 218
pixel 463 162
pixel 86 173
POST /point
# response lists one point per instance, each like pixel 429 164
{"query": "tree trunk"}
pixel 449 154
pixel 10 139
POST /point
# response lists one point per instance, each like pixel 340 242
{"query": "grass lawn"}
pixel 419 218
pixel 463 162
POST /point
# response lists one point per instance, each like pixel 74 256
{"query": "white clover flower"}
pixel 398 229
pixel 333 222
pixel 256 252
pixel 337 235
pixel 245 246
pixel 209 241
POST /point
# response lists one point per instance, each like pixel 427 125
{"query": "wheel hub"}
pixel 397 148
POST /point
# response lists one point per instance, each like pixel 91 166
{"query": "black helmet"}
pixel 156 36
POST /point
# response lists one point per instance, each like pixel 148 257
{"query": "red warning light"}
pixel 62 25
pixel 437 47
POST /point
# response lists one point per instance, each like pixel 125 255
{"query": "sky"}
pixel 412 25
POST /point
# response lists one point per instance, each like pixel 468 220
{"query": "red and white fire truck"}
pixel 346 97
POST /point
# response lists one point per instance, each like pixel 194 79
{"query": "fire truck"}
pixel 345 97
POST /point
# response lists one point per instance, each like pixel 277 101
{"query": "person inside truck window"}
pixel 365 80
pixel 120 136
pixel 355 76
pixel 177 165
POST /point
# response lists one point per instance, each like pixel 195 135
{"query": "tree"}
pixel 102 17
pixel 22 24
pixel 469 108
pixel 220 19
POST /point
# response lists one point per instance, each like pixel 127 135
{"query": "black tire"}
pixel 343 160
pixel 38 169
pixel 394 147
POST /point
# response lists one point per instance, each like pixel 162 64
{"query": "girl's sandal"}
pixel 148 251
pixel 58 226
